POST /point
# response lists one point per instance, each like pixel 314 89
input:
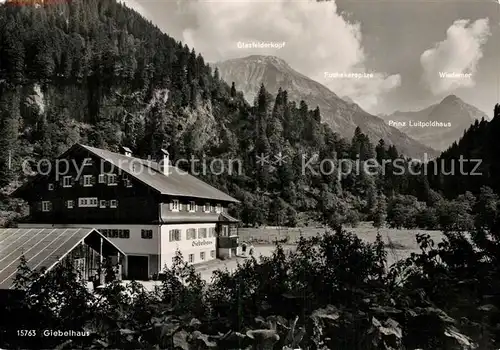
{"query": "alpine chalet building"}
pixel 149 209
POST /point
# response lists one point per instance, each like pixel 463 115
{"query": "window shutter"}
pixel 72 181
pixel 50 206
pixel 171 205
pixel 61 181
pixel 81 180
pixel 38 206
pixel 92 180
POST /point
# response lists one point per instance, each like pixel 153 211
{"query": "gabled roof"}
pixel 177 183
pixel 43 247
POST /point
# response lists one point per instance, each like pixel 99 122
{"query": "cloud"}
pixel 135 5
pixel 317 38
pixel 459 53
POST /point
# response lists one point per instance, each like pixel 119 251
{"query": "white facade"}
pixel 193 247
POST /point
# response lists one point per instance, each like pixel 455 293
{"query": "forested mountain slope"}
pixel 479 149
pixel 98 73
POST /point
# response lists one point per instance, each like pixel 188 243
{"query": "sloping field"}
pixel 399 243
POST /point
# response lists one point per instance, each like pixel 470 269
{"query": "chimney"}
pixel 126 151
pixel 164 161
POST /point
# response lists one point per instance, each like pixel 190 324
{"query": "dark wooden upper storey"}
pixel 91 185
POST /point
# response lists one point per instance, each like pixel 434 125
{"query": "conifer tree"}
pixel 380 213
pixel 9 131
pixel 233 90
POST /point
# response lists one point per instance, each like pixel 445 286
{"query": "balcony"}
pixel 228 242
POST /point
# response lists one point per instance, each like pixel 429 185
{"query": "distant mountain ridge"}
pixel 342 116
pixel 440 125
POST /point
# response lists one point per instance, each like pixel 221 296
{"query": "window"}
pixel 206 208
pixel 87 202
pixel 51 187
pixel 87 180
pixel 70 204
pixel 174 205
pixel 102 203
pixel 113 203
pixel 202 255
pixel 225 231
pixel 112 180
pixel 174 235
pixel 113 233
pixel 202 233
pixel 211 232
pixel 147 234
pixel 192 206
pixel 127 182
pixel 191 258
pixel 46 206
pixel 124 233
pixel 102 178
pixel 191 233
pixel 218 209
pixel 104 232
pixel 212 254
pixel 67 181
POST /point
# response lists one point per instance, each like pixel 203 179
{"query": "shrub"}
pixel 333 292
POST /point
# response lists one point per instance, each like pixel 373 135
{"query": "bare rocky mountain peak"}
pixel 445 121
pixel 342 115
pixel 451 99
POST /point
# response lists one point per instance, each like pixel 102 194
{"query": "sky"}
pixel 401 45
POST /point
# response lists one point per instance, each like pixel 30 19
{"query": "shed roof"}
pixel 42 247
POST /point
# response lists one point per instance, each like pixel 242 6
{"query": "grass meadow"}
pixel 399 243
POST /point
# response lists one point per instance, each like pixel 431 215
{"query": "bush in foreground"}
pixel 334 292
